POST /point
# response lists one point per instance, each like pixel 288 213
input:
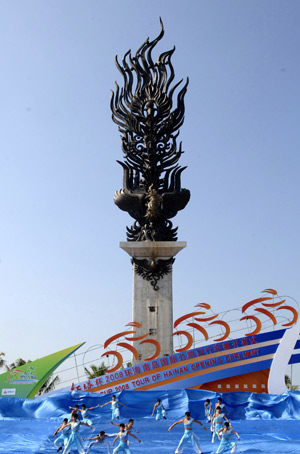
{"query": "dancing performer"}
pixel 224 435
pixel 84 412
pixel 123 440
pixel 222 406
pixel 75 410
pixel 115 412
pixel 128 426
pixel 208 409
pixel 215 422
pixel 74 441
pixel 160 410
pixel 61 441
pixel 188 434
pixel 99 439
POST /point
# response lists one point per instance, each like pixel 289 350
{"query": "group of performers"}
pixel 69 439
pixel 216 419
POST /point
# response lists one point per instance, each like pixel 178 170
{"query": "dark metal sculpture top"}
pixel 152 192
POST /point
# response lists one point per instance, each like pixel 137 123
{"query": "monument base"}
pixel 153 304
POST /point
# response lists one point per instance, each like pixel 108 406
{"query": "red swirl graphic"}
pixel 227 329
pixel 134 324
pixel 269 290
pixel 205 305
pixel 199 328
pixel 185 317
pixel 295 314
pixel 258 300
pixel 206 319
pixel 137 338
pixel 119 358
pixel 273 304
pixel 190 340
pixel 268 314
pixel 116 336
pixel 130 348
pixel 256 320
pixel 156 344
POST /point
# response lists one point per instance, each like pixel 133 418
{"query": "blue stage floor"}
pixel 266 424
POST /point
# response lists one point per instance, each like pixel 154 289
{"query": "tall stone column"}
pixel 153 304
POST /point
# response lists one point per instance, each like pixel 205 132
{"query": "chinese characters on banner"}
pixel 173 365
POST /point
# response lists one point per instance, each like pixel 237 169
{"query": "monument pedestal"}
pixel 153 308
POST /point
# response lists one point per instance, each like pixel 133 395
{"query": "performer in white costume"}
pixel 74 442
pixel 224 435
pixel 123 440
pixel 160 410
pixel 188 435
pixel 115 412
pixel 100 440
pixel 64 430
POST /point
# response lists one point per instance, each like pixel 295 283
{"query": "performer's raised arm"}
pixel 199 422
pixel 174 424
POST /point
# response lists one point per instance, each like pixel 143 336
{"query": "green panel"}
pixel 26 380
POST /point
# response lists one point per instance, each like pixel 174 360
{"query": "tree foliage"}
pixel 49 385
pixel 2 360
pixel 18 363
pixel 288 383
pixel 95 371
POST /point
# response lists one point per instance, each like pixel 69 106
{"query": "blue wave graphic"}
pixel 266 423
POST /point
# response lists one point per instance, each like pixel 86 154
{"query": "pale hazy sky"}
pixel 63 278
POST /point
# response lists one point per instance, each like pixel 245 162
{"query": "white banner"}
pixel 9 392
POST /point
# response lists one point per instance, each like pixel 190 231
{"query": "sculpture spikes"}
pixel 149 115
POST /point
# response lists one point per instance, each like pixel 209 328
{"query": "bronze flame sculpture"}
pixel 143 110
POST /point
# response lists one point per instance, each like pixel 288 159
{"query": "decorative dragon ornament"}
pixel 149 119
